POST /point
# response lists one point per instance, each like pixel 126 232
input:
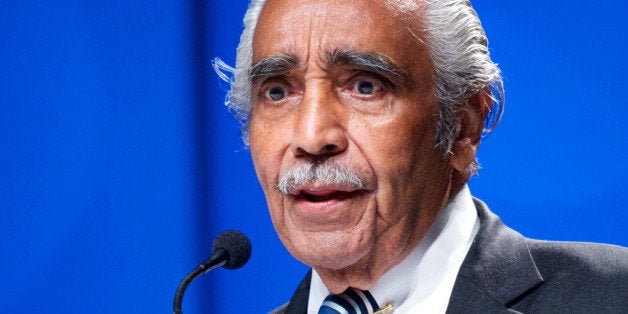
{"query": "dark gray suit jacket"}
pixel 504 272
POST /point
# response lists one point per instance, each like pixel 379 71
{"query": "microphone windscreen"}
pixel 237 246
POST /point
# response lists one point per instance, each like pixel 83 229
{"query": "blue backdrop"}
pixel 119 164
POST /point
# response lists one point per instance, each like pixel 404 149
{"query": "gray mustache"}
pixel 302 174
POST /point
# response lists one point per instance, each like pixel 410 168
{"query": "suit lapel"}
pixel 300 298
pixel 497 270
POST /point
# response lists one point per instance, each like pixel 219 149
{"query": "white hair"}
pixel 301 174
pixel 457 46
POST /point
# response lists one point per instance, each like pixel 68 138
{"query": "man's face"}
pixel 347 85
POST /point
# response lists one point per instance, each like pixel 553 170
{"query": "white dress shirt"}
pixel 422 283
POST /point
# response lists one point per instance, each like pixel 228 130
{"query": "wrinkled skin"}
pixel 380 125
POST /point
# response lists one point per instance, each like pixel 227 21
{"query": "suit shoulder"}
pixel 588 258
pixel 583 277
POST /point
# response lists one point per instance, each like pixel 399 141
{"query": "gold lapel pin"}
pixel 389 308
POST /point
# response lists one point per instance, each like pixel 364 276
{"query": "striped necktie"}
pixel 352 301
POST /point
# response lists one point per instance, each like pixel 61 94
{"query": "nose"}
pixel 320 129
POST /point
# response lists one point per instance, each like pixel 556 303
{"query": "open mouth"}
pixel 323 197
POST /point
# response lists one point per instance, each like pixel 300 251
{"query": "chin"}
pixel 330 250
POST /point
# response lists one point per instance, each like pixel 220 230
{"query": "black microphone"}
pixel 231 249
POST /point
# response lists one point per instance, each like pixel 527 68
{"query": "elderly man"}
pixel 363 120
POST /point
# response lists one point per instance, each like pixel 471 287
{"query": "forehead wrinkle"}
pixel 369 61
pixel 272 65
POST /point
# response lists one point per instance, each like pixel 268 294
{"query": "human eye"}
pixel 274 90
pixel 366 87
pixel 275 93
pixel 366 92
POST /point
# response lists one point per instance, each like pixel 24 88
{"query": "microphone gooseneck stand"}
pixel 215 261
pixel 231 250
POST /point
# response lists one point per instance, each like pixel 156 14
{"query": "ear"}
pixel 470 130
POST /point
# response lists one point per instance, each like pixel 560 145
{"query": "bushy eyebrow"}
pixel 367 61
pixel 273 65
